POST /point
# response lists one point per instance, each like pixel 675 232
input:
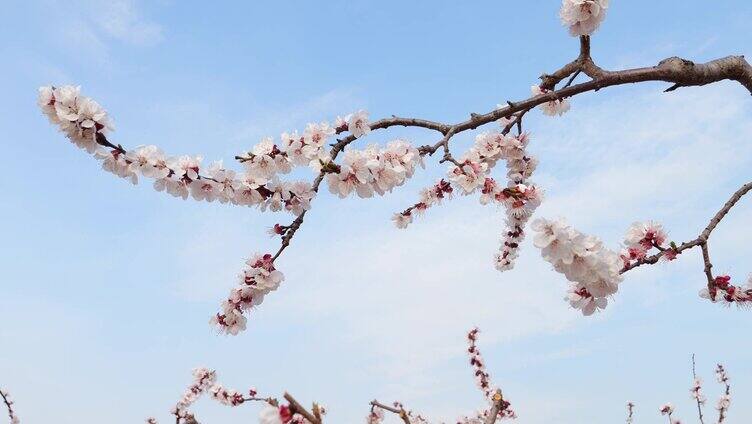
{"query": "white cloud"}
pixel 121 20
pixel 88 26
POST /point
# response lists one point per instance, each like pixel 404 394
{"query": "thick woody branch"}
pixel 679 71
pixel 676 70
pixel 297 408
pixel 708 265
pixel 583 63
pixel 498 406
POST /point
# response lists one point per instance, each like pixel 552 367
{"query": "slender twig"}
pixel 723 379
pixel 630 412
pixel 9 405
pixel 697 395
pixel 571 79
pixel 701 240
pixel 399 411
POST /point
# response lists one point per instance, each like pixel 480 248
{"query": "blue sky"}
pixel 107 289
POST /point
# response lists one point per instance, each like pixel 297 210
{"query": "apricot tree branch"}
pixel 701 240
pixel 296 407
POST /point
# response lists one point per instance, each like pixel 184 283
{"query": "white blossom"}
pixel 402 220
pixel 116 163
pixel 556 107
pixel 724 402
pixel 666 408
pixel 583 17
pixel 376 416
pixel 79 117
pixel 226 183
pixel 645 235
pixel 177 188
pixel 186 166
pixel 357 123
pixel 270 415
pixel 204 189
pixel 148 161
pixel 374 170
pixel 255 282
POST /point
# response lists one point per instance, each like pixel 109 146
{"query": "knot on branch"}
pixel 676 64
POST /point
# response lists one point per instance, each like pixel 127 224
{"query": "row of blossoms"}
pixel 86 124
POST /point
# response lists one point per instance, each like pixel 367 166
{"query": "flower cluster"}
pixel 375 416
pixel 9 405
pixel 430 196
pixel 592 269
pixel 274 414
pixel 583 17
pixel 356 123
pixel 666 409
pixel 203 380
pixel 255 282
pixel 518 197
pixel 85 123
pixel 724 401
pixel 695 392
pixel 641 238
pixel 721 290
pixel 226 396
pixel 310 147
pixel 268 159
pixel 645 236
pixel 79 117
pixel 556 107
pixel 520 202
pixel 374 170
